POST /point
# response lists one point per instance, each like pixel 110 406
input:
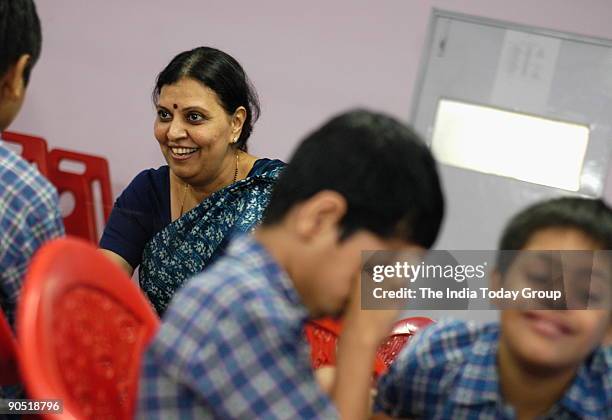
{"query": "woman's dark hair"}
pixel 221 73
pixel 381 167
pixel 19 34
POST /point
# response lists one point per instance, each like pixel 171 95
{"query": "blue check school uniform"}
pixel 450 372
pixel 29 217
pixel 231 346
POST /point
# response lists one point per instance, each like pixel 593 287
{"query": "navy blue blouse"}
pixel 143 209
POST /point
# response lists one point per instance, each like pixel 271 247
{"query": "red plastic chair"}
pixel 401 333
pixel 323 336
pixel 34 149
pixel 82 221
pixel 9 373
pixel 82 326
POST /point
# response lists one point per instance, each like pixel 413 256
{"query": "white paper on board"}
pixel 525 71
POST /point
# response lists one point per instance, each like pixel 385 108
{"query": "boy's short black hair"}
pixel 589 216
pixel 380 166
pixel 20 34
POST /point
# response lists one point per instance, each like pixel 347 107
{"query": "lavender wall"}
pixel 91 88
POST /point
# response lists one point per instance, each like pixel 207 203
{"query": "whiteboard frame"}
pixel 440 13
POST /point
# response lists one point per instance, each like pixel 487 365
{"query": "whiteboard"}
pixel 522 69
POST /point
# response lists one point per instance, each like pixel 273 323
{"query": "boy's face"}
pixel 323 267
pixel 553 339
pixel 336 268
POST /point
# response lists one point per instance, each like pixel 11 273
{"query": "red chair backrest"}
pixel 82 221
pixel 82 326
pixel 9 373
pixel 400 335
pixel 411 325
pixel 323 336
pixel 34 149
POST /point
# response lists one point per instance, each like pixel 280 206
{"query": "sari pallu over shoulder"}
pixel 189 244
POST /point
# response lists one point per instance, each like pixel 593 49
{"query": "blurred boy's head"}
pixel 553 339
pixel 20 43
pixel 363 181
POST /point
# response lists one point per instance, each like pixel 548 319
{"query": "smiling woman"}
pixel 176 220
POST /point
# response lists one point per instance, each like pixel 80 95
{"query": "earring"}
pixel 235 140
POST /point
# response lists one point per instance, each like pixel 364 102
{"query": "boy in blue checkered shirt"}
pixel 545 364
pixel 231 345
pixel 29 210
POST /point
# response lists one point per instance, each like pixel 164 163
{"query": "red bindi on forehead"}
pixel 175 106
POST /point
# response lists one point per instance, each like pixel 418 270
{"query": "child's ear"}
pixel 607 341
pixel 13 82
pixel 495 283
pixel 320 215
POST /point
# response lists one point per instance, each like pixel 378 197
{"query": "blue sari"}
pixel 189 244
